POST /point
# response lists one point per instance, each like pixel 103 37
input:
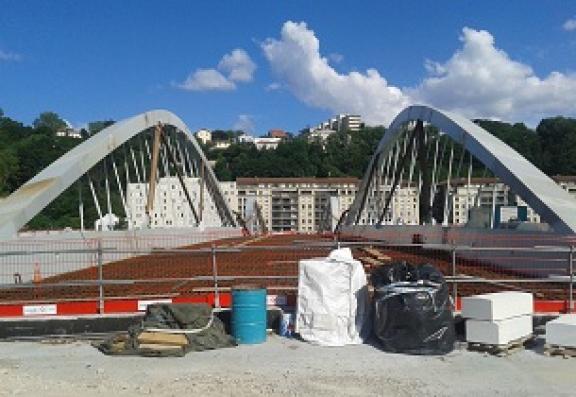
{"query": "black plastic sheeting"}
pixel 412 310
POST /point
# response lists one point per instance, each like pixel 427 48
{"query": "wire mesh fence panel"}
pixel 25 261
pixel 151 268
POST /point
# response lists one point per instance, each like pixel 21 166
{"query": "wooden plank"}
pixel 377 254
pixel 370 261
pixel 162 339
pixel 557 350
pixel 159 347
pixel 500 350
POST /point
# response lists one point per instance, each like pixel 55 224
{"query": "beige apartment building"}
pixel 294 204
pixel 309 205
pixel 489 193
pixel 171 207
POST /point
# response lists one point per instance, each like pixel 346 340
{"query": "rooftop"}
pixel 255 181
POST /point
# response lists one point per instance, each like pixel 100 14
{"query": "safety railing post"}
pixel 215 274
pixel 100 278
pixel 571 286
pixel 454 282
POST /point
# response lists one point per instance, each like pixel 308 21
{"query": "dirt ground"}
pixel 280 367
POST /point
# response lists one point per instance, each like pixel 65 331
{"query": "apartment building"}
pixel 171 207
pixel 69 133
pixel 487 193
pixel 349 122
pixel 341 122
pixel 321 135
pixel 403 209
pixel 294 204
pixel 268 143
pixel 278 133
pixel 567 182
pixel 204 135
pixel 304 204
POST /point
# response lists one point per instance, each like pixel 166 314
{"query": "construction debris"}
pixel 412 310
pixel 170 330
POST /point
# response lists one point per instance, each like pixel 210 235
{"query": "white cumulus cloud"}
pixel 570 25
pixel 245 123
pixel 207 79
pixel 238 66
pixel 479 81
pixel 296 60
pixel 232 68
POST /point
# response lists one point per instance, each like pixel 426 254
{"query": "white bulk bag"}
pixel 332 300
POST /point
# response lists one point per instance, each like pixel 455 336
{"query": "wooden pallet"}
pixel 556 350
pixel 500 350
pixel 377 254
pixel 371 262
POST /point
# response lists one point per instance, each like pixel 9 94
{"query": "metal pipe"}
pixel 96 203
pixel 135 166
pixel 448 186
pixel 468 189
pixel 215 274
pixel 119 184
pixel 108 196
pixel 153 171
pixel 180 178
pixel 100 278
pixel 571 287
pixel 80 205
pixel 398 175
pixel 449 279
pixel 455 285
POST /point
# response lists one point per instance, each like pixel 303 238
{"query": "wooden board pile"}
pixel 161 341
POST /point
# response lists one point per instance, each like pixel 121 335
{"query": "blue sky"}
pixel 286 64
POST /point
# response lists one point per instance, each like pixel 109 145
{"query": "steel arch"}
pixel 22 205
pixel 554 205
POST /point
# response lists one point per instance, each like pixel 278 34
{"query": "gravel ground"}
pixel 282 367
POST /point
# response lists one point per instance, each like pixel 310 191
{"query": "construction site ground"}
pixel 279 367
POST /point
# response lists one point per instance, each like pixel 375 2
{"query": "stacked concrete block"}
pixel 499 318
pixel 562 331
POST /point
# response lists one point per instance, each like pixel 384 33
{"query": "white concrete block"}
pixel 497 306
pixel 562 331
pixel 498 332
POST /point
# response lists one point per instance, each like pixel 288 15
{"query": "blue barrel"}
pixel 249 314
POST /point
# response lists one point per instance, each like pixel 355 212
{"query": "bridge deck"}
pixel 270 261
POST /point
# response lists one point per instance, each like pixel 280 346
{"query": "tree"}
pixel 51 121
pixel 95 127
pixel 8 167
pixel 522 139
pixel 558 141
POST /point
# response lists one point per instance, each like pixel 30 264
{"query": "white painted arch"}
pixel 22 205
pixel 554 205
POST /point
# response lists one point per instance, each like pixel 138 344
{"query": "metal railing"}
pixel 546 271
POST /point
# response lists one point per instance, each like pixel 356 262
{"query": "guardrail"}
pixel 546 271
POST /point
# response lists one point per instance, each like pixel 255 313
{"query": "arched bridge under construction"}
pixel 410 154
pixel 403 156
pixel 170 146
